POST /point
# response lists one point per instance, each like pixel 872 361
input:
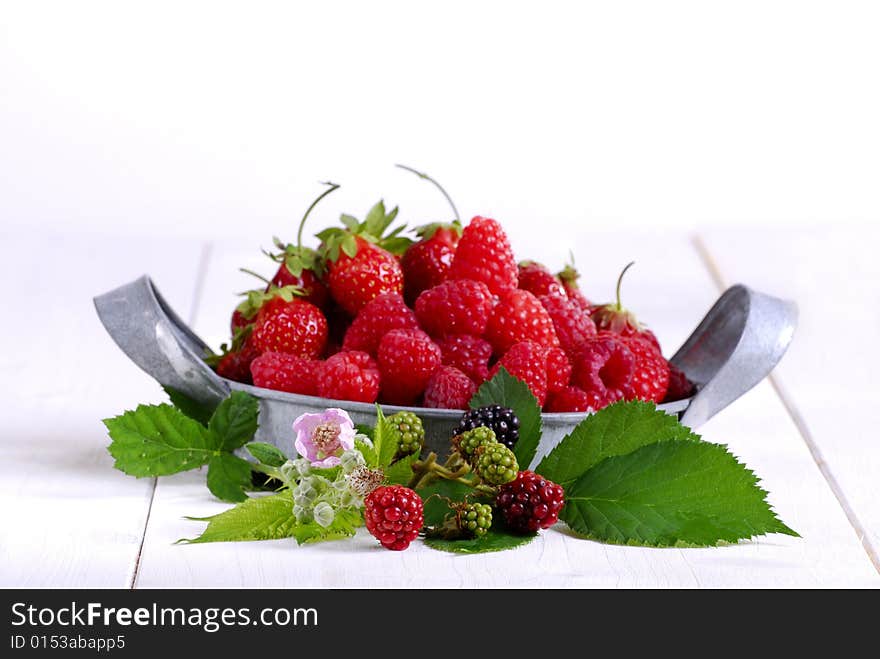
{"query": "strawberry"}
pixel 407 358
pixel 484 254
pixel 449 389
pixel 469 354
pixel 238 322
pixel 569 277
pixel 455 307
pixel 283 372
pixel 527 361
pixel 558 369
pixel 290 325
pixel 573 326
pixel 614 318
pixel 362 264
pixel 352 376
pixel 569 399
pixel 426 263
pixel 604 369
pixel 519 316
pixel 537 280
pixel 378 317
pixel 235 363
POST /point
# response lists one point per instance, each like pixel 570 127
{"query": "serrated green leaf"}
pixel 670 493
pixel 401 471
pixel 157 440
pixel 194 409
pixel 614 430
pixel 494 540
pixel 508 391
pixel 234 422
pixel 345 522
pixel 385 440
pixel 435 495
pixel 229 477
pixel 268 454
pixel 260 518
pixel 367 451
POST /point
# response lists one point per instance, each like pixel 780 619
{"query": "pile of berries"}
pixel 373 316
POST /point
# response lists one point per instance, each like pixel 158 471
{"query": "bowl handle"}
pixel 736 345
pixel 155 338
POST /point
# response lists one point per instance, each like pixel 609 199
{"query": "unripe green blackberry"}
pixel 410 433
pixel 474 518
pixel 496 464
pixel 469 441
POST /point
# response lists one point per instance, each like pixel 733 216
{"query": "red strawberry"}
pixel 236 363
pixel 293 326
pixel 455 307
pixel 378 317
pixel 573 326
pixel 604 369
pixel 449 389
pixel 469 354
pixel 407 358
pixel 527 361
pixel 519 316
pixel 679 385
pixel 651 376
pixel 284 372
pixel 568 399
pixel 349 376
pixel 537 280
pixel 239 321
pixel 558 369
pixel 484 254
pixel 569 278
pixel 426 263
pixel 307 280
pixel 614 318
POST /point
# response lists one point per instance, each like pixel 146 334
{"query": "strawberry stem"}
pixel 439 187
pixel 302 222
pixel 620 280
pixel 254 274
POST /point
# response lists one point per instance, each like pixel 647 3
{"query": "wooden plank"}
pixel 67 518
pixel 828 379
pixel 672 290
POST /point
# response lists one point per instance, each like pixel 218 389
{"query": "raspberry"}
pixel 349 376
pixel 407 358
pixel 529 503
pixel 378 317
pixel 449 389
pixel 537 280
pixel 283 372
pixel 474 519
pixel 528 362
pixel 651 376
pixel 679 385
pixel 604 369
pixel 614 318
pixel 495 463
pixel 455 307
pixel 409 431
pixel 558 369
pixel 467 442
pixel 572 325
pixel 484 255
pixel 426 262
pixel 568 399
pixel 469 354
pixel 519 316
pixel 394 515
pixel 296 327
pixel 502 421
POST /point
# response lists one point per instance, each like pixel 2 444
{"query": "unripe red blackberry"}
pixel 394 515
pixel 529 503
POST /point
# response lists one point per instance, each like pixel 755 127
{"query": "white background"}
pixel 218 120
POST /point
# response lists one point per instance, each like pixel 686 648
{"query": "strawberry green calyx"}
pixel 296 257
pixel 336 240
pixel 255 299
pixel 614 317
pixel 428 231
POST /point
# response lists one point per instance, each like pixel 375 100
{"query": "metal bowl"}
pixel 740 340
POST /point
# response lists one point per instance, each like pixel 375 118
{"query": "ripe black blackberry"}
pixel 501 420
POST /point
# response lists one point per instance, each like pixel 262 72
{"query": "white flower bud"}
pixel 324 514
pixel 351 460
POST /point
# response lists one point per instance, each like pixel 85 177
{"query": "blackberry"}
pixel 474 519
pixel 496 464
pixel 410 433
pixel 469 441
pixel 502 421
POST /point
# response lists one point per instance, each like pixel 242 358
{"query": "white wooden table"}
pixel 68 519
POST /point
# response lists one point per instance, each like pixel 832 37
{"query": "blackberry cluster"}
pixel 530 502
pixel 474 518
pixel 410 433
pixel 469 441
pixel 496 464
pixel 501 420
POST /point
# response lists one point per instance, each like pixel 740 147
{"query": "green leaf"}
pixel 194 409
pixel 229 477
pixel 157 440
pixel 369 452
pixel 260 518
pixel 671 493
pixel 494 540
pixel 385 440
pixel 351 223
pixel 344 524
pixel 615 430
pixel 268 454
pixel 234 422
pixel 435 496
pixel 508 391
pixel 374 219
pixel 349 245
pixel 401 471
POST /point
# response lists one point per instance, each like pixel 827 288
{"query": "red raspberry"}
pixel 614 318
pixel 530 503
pixel 314 289
pixel 455 307
pixel 449 389
pixel 378 317
pixel 236 364
pixel 569 278
pixel 296 327
pixel 537 280
pixel 407 358
pixel 651 376
pixel 394 515
pixel 528 362
pixel 604 369
pixel 355 280
pixel 558 369
pixel 283 372
pixel 679 385
pixel 349 376
pixel 569 399
pixel 572 325
pixel 484 254
pixel 426 263
pixel 469 354
pixel 519 316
